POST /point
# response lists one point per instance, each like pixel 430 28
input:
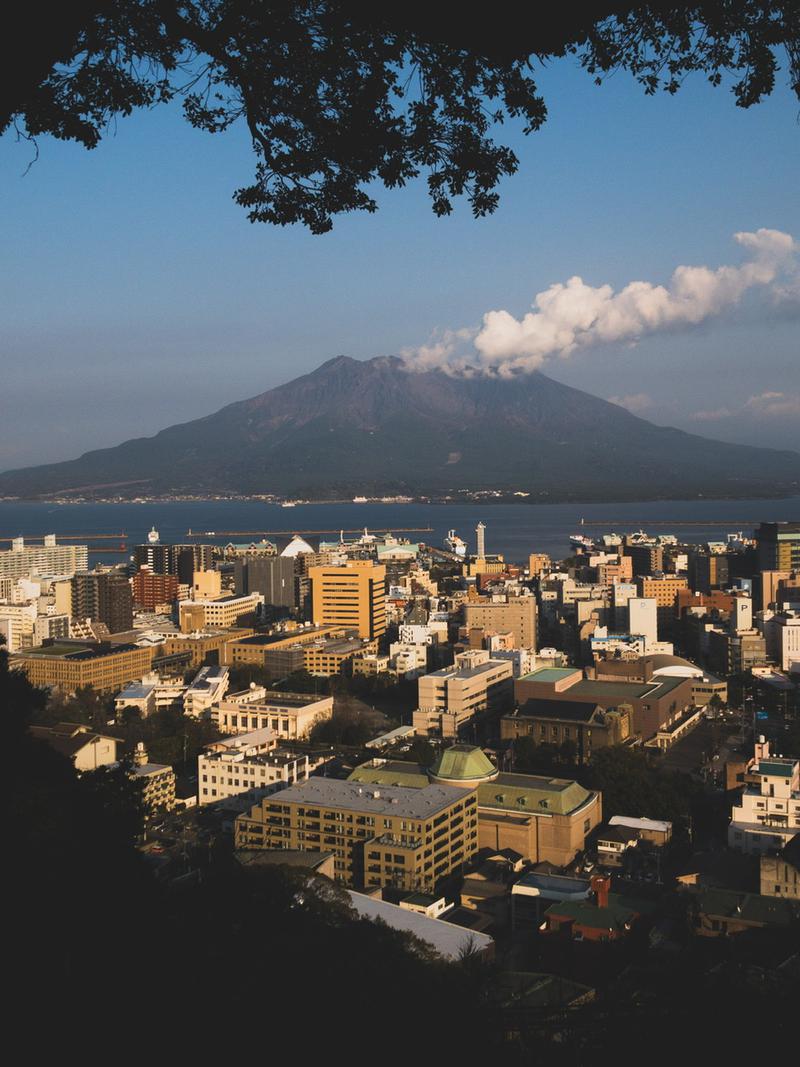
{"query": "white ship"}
pixel 640 538
pixel 611 540
pixel 454 543
pixel 581 541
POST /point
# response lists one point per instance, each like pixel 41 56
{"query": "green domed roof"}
pixel 463 763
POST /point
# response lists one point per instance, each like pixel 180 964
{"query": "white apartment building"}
pixel 643 619
pixel 208 687
pixel 152 694
pixel 17 623
pixel 22 561
pixel 290 715
pixel 768 815
pixel 237 772
pixel 408 660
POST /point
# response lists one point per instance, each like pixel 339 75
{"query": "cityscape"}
pixel 497 758
pixel 400 532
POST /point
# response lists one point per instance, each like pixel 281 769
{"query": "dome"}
pixel 297 547
pixel 463 765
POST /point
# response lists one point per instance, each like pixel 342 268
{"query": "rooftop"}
pixel 447 939
pixel 549 674
pixel 401 801
pixel 534 794
pixel 775 767
pixel 463 762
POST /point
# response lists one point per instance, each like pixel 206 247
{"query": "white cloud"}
pixel 634 402
pixel 573 314
pixel 769 405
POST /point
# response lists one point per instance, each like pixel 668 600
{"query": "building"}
pixel 86 750
pixel 724 912
pixel 273 576
pixel 608 917
pixel 150 695
pixel 767 816
pixel 778 546
pixel 735 653
pixel 240 770
pixel 512 614
pixel 104 597
pixel 278 653
pixel 208 646
pixel 645 559
pixel 21 560
pixel 540 818
pixel 152 591
pixel 664 589
pixel 352 596
pixel 18 625
pixel 330 657
pixel 654 704
pixel 643 619
pixel 290 715
pixel 208 687
pixel 206 585
pixel 449 698
pixel 780 871
pixel 400 837
pixel 156 782
pixel 707 570
pixel 179 560
pixel 221 614
pixel 577 727
pixel 70 665
pixel 447 939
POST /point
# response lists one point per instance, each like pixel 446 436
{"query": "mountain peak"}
pixel 354 426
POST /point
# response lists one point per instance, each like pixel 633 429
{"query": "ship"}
pixel 455 544
pixel 581 541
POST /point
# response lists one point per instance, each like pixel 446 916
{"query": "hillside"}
pixel 363 427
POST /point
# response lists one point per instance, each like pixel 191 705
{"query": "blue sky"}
pixel 136 294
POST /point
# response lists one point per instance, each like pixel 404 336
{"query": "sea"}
pixel 512 530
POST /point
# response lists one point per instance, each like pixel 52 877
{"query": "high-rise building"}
pixel 151 590
pixel 707 571
pixel 180 560
pixel 352 596
pixel 646 559
pixel 22 560
pixel 514 614
pixel 778 546
pixel 480 535
pixel 272 576
pixel 643 619
pixel 103 597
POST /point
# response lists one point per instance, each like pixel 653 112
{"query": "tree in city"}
pixel 337 96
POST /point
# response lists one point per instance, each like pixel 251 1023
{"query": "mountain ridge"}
pixel 352 426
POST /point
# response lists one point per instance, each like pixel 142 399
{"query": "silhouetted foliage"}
pixel 632 785
pixel 338 95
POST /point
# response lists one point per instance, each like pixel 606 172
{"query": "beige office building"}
pixel 543 819
pixel 67 665
pixel 398 836
pixel 352 596
pixel 290 715
pixel 474 685
pixel 515 615
pixel 220 614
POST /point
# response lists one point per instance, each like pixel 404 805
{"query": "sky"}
pixel 136 294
